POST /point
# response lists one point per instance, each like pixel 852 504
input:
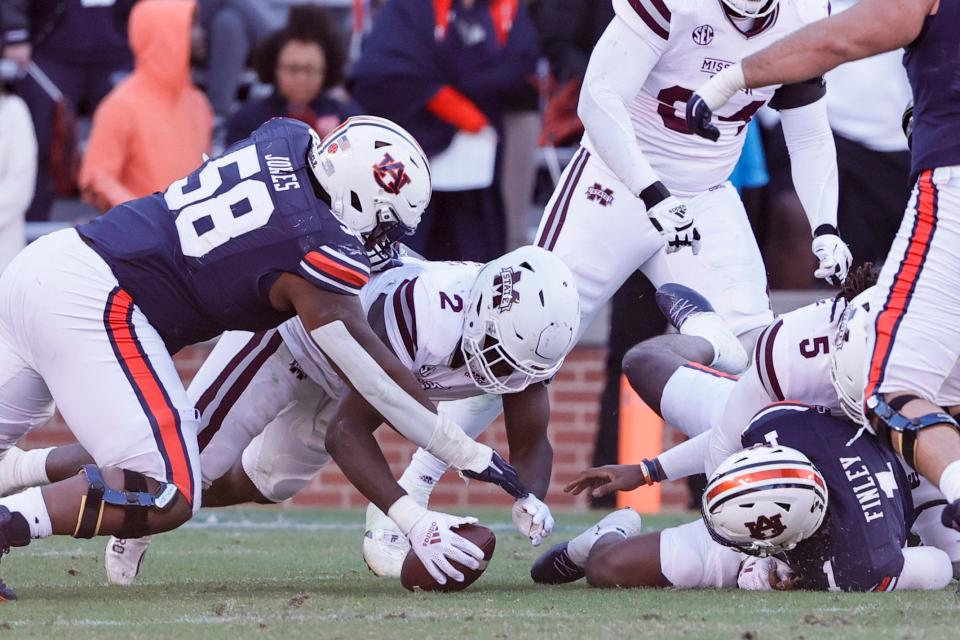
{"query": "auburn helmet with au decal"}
pixel 764 500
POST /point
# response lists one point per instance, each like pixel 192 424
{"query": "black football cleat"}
pixel 950 516
pixel 6 593
pixel 678 302
pixel 556 567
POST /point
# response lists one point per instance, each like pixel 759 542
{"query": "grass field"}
pixel 282 574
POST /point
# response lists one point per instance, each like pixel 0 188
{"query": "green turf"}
pixel 272 574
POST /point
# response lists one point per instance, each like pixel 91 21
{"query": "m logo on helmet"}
pixel 504 294
pixel 765 528
pixel 390 174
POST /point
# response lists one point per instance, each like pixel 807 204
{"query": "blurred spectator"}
pixel 18 167
pixel 446 70
pixel 154 127
pixel 81 50
pixel 232 29
pixel 304 63
pixel 568 31
pixel 872 154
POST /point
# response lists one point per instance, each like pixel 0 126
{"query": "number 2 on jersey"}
pixel 206 219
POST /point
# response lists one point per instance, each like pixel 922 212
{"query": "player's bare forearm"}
pixel 350 442
pixel 318 308
pixel 526 415
pixel 869 27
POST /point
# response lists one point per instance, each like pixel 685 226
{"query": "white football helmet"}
pixel 848 355
pixel 752 8
pixel 378 180
pixel 764 500
pixel 521 321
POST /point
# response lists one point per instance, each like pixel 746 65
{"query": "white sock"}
pixel 950 481
pixel 422 475
pixel 22 469
pixel 31 506
pixel 579 548
pixel 32 467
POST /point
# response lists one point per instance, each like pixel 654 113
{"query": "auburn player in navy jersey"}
pixel 809 504
pixel 279 225
pixel 911 395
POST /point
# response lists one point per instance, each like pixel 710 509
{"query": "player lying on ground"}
pixel 278 226
pixel 824 507
pixel 911 397
pixel 810 355
pixel 267 400
pixel 637 154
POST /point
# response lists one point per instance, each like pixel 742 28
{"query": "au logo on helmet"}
pixel 390 174
pixel 765 528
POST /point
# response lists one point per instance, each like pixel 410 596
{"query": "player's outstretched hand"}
pixel 435 542
pixel 700 119
pixel 532 518
pixel 671 218
pixel 601 481
pixel 500 473
pixel 833 253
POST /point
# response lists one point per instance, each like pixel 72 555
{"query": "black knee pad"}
pixel 134 499
pixel 897 430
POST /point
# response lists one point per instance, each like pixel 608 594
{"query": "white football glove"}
pixel 532 518
pixel 671 218
pixel 834 257
pixel 433 540
pixel 757 574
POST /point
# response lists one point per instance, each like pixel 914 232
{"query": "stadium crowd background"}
pixel 102 101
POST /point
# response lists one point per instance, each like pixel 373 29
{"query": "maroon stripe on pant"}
pixel 211 392
pixel 236 390
pixel 566 205
pixel 547 228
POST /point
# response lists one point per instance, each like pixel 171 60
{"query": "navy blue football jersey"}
pixel 200 258
pixel 858 548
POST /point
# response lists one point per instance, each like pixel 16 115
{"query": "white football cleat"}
pixel 123 558
pixel 384 545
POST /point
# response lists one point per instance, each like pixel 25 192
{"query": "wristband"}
pixel 405 512
pixel 654 195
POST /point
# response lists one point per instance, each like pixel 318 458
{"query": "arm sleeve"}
pixel 747 398
pixel 813 161
pixel 609 85
pixel 18 164
pixel 106 155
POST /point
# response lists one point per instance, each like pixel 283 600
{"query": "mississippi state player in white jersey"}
pixel 271 404
pixel 637 153
pixel 804 356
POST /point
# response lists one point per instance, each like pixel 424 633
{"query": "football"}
pixel 414 576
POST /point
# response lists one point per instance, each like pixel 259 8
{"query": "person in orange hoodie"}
pixel 155 125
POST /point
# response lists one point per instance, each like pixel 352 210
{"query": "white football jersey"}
pixel 423 311
pixel 696 39
pixel 792 356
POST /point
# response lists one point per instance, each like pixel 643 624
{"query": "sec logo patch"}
pixel 703 35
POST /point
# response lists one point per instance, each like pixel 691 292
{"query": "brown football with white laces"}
pixel 414 576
